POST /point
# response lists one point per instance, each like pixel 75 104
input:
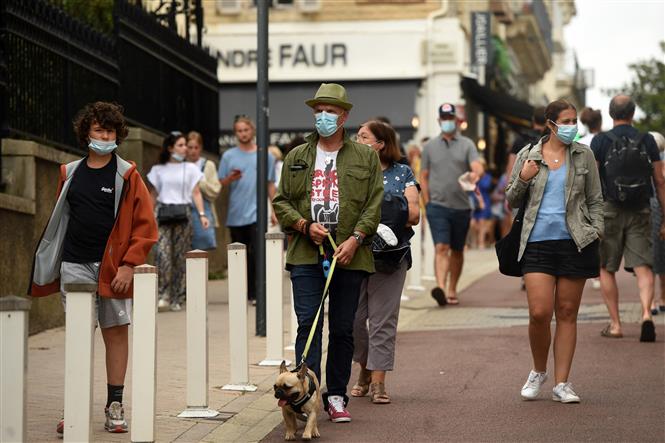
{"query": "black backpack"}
pixel 628 172
pixel 394 214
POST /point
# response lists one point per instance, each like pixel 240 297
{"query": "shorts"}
pixel 561 258
pixel 628 235
pixel 448 226
pixel 110 311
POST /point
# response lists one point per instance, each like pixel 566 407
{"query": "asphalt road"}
pixel 463 385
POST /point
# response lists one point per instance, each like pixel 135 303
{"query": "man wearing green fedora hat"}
pixel 329 185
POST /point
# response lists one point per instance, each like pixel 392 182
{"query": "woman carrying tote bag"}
pixel 174 186
pixel 557 183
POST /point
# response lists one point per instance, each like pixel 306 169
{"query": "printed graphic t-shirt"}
pixel 91 199
pixel 325 192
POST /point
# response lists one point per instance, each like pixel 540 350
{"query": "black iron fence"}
pixel 55 64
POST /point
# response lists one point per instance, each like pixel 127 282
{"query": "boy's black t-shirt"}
pixel 91 199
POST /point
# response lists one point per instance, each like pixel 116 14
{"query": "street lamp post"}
pixel 262 166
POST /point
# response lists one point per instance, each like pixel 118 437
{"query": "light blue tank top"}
pixel 551 219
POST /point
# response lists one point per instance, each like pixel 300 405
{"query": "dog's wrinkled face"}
pixel 289 385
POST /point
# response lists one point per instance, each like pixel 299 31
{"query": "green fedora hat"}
pixel 330 94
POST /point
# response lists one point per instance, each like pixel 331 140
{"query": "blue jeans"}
pixel 308 283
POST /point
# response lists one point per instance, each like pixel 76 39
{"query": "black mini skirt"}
pixel 561 258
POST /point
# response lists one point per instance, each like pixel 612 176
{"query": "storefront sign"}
pixel 325 51
pixel 480 38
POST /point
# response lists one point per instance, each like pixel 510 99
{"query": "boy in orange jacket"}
pixel 102 226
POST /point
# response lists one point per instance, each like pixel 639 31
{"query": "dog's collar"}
pixel 299 403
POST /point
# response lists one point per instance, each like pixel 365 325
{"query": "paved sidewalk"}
pixel 491 303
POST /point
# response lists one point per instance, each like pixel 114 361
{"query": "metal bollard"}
pixel 274 300
pixel 144 354
pixel 293 330
pixel 13 367
pixel 79 353
pixel 428 247
pixel 197 337
pixel 237 259
pixel 415 273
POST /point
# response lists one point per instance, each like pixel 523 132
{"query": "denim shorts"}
pixel 448 226
pixel 561 258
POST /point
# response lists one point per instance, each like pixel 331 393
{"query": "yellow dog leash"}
pixel 323 299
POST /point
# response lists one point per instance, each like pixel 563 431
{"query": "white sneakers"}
pixel 163 305
pixel 534 382
pixel 563 392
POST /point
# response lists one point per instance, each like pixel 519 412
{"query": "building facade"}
pixel 397 58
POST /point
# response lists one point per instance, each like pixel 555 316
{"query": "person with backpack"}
pixel 556 185
pixel 375 326
pixel 630 169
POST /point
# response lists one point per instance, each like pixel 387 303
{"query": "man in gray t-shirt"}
pixel 444 160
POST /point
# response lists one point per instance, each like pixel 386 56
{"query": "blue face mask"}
pixel 448 126
pixel 102 147
pixel 178 157
pixel 326 123
pixel 566 133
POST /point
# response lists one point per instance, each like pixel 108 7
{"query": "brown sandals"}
pixel 609 334
pixel 361 388
pixel 378 394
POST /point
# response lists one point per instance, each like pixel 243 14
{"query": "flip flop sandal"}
pixel 648 333
pixel 379 395
pixel 609 334
pixel 453 301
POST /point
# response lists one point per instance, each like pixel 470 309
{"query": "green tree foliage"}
pixel 648 90
pixel 95 13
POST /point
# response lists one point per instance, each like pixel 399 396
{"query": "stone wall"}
pixel 31 173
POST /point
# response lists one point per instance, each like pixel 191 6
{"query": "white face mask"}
pixel 102 147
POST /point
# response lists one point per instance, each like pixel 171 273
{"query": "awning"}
pixel 394 99
pixel 500 105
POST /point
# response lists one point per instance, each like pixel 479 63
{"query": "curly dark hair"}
pixel 107 115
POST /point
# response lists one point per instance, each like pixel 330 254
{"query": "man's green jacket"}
pixel 360 183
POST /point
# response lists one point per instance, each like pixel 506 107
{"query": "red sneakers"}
pixel 336 410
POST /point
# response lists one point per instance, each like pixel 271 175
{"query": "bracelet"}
pixel 307 226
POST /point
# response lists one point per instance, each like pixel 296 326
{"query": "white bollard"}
pixel 293 330
pixel 274 300
pixel 13 367
pixel 80 321
pixel 197 337
pixel 239 342
pixel 428 247
pixel 415 273
pixel 144 354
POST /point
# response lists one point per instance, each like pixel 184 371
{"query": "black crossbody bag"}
pixel 508 248
pixel 174 213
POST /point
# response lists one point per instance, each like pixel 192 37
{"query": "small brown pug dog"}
pixel 298 392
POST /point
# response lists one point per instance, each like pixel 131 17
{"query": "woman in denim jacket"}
pixel 563 221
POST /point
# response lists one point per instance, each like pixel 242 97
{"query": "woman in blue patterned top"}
pixel 375 326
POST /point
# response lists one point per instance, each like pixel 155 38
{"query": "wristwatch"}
pixel 358 237
pixel 202 214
